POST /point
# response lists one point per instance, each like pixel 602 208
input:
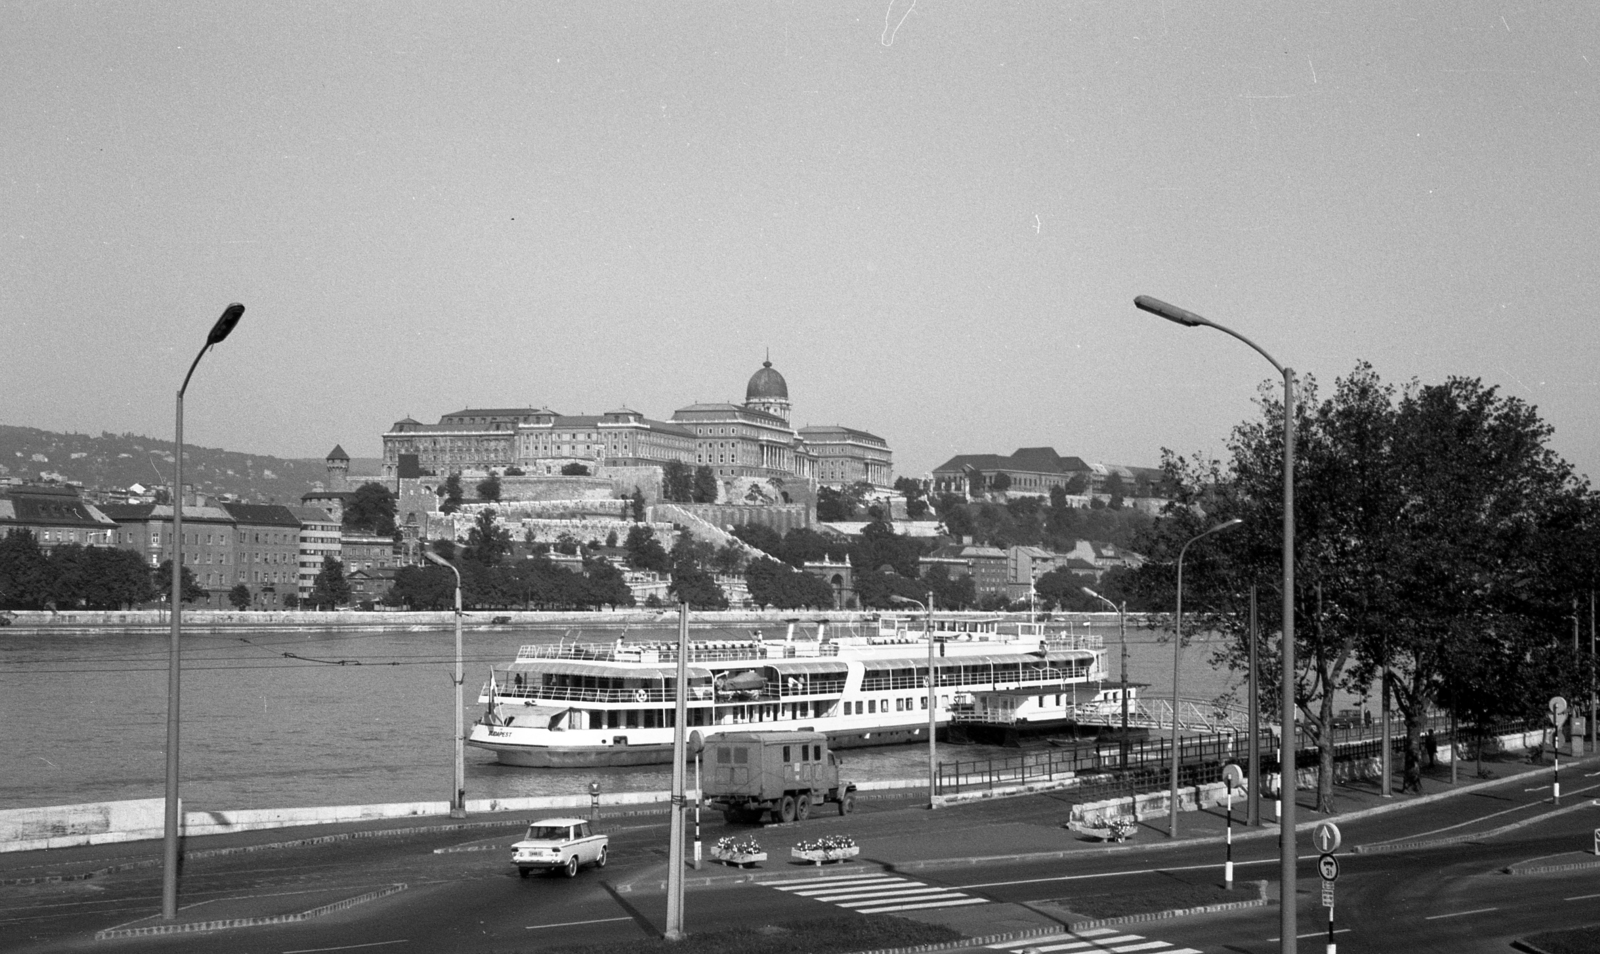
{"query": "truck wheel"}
pixel 570 869
pixel 847 804
pixel 786 809
pixel 522 872
pixel 802 807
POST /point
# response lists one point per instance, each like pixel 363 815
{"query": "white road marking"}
pixel 347 947
pixel 1458 914
pixel 1582 897
pixel 540 927
pixel 949 903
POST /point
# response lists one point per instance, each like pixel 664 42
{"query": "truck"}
pixel 785 776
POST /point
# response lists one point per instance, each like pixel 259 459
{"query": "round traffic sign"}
pixel 1326 837
pixel 1328 867
pixel 1558 705
pixel 1232 775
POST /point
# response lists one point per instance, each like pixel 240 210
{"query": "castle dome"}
pixel 766 384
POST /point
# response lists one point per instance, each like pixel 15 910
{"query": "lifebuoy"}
pixel 641 696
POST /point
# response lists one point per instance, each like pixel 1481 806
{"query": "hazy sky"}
pixel 935 215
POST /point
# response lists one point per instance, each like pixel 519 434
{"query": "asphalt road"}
pixel 461 895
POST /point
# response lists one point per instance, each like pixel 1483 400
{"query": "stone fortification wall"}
pixel 552 488
pixel 780 517
pixel 547 520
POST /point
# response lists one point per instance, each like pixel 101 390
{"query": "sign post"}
pixel 1231 776
pixel 1326 837
pixel 1558 708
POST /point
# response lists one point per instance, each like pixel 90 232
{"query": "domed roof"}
pixel 766 383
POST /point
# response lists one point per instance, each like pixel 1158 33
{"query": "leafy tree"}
pixel 452 493
pixel 25 579
pixel 705 485
pixel 487 543
pixel 330 589
pixel 691 551
pixel 1000 483
pixel 803 545
pixel 605 584
pixel 191 588
pixel 1078 485
pixel 575 470
pixel 291 601
pixel 761 537
pixel 781 586
pixel 429 587
pixel 1116 490
pixel 834 506
pixel 955 516
pixel 371 509
pixel 116 579
pixel 729 559
pixel 239 596
pixel 677 481
pixel 636 506
pixel 695 586
pixel 566 543
pixel 611 540
pixel 489 487
pixel 515 471
pixel 645 552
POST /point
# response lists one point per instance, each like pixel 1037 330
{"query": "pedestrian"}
pixel 1430 745
pixel 1366 716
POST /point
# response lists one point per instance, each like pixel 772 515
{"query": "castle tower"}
pixel 338 469
pixel 768 391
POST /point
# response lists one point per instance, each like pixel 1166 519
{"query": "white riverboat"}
pixel 584 704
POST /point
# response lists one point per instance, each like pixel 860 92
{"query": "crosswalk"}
pixel 1092 941
pixel 876 893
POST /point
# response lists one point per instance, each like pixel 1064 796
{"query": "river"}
pixel 281 720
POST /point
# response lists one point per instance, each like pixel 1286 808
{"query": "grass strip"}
pixel 862 932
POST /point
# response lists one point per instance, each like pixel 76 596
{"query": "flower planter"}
pixel 819 856
pixel 738 859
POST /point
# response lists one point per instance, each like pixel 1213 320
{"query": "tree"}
pixel 760 537
pixel 574 470
pixel 781 586
pixel 729 559
pixel 636 506
pixel 117 579
pixel 515 471
pixel 371 509
pixel 24 572
pixel 645 552
pixel 694 586
pixel 1116 490
pixel 1000 483
pixel 239 596
pixel 705 485
pixel 834 506
pixel 489 487
pixel 486 542
pixel 677 481
pixel 330 589
pixel 452 493
pixel 191 588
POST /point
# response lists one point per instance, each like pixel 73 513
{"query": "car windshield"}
pixel 547 833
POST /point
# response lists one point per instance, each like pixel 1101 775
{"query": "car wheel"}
pixel 847 804
pixel 600 862
pixel 571 867
pixel 802 808
pixel 786 809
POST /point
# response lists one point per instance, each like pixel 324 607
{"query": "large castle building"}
pixel 753 439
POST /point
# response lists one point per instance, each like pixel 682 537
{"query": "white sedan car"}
pixel 559 844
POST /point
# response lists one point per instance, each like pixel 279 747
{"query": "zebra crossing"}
pixel 876 893
pixel 1092 941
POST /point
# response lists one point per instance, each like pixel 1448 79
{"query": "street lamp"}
pixel 169 853
pixel 933 697
pixel 1286 839
pixel 1177 652
pixel 458 800
pixel 1122 637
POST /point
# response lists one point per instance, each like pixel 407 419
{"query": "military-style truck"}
pixel 782 775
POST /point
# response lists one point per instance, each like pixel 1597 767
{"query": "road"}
pixel 461 895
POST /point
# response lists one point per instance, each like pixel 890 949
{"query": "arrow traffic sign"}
pixel 1326 837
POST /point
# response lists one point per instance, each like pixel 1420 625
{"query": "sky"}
pixel 933 216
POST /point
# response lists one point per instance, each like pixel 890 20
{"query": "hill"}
pixel 119 460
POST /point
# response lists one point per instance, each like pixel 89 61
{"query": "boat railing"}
pixel 790 687
pixel 668 653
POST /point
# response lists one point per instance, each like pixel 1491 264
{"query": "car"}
pixel 1347 719
pixel 559 844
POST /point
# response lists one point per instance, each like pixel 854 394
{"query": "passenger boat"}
pixel 583 704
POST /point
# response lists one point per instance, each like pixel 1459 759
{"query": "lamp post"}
pixel 1177 652
pixel 458 797
pixel 933 697
pixel 1122 637
pixel 1286 839
pixel 169 847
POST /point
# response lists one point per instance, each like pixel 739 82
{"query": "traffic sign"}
pixel 1328 867
pixel 1327 895
pixel 1233 775
pixel 1326 837
pixel 1558 705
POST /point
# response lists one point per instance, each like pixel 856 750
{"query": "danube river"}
pixel 286 720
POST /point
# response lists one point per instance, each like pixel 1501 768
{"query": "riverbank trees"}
pixel 1432 523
